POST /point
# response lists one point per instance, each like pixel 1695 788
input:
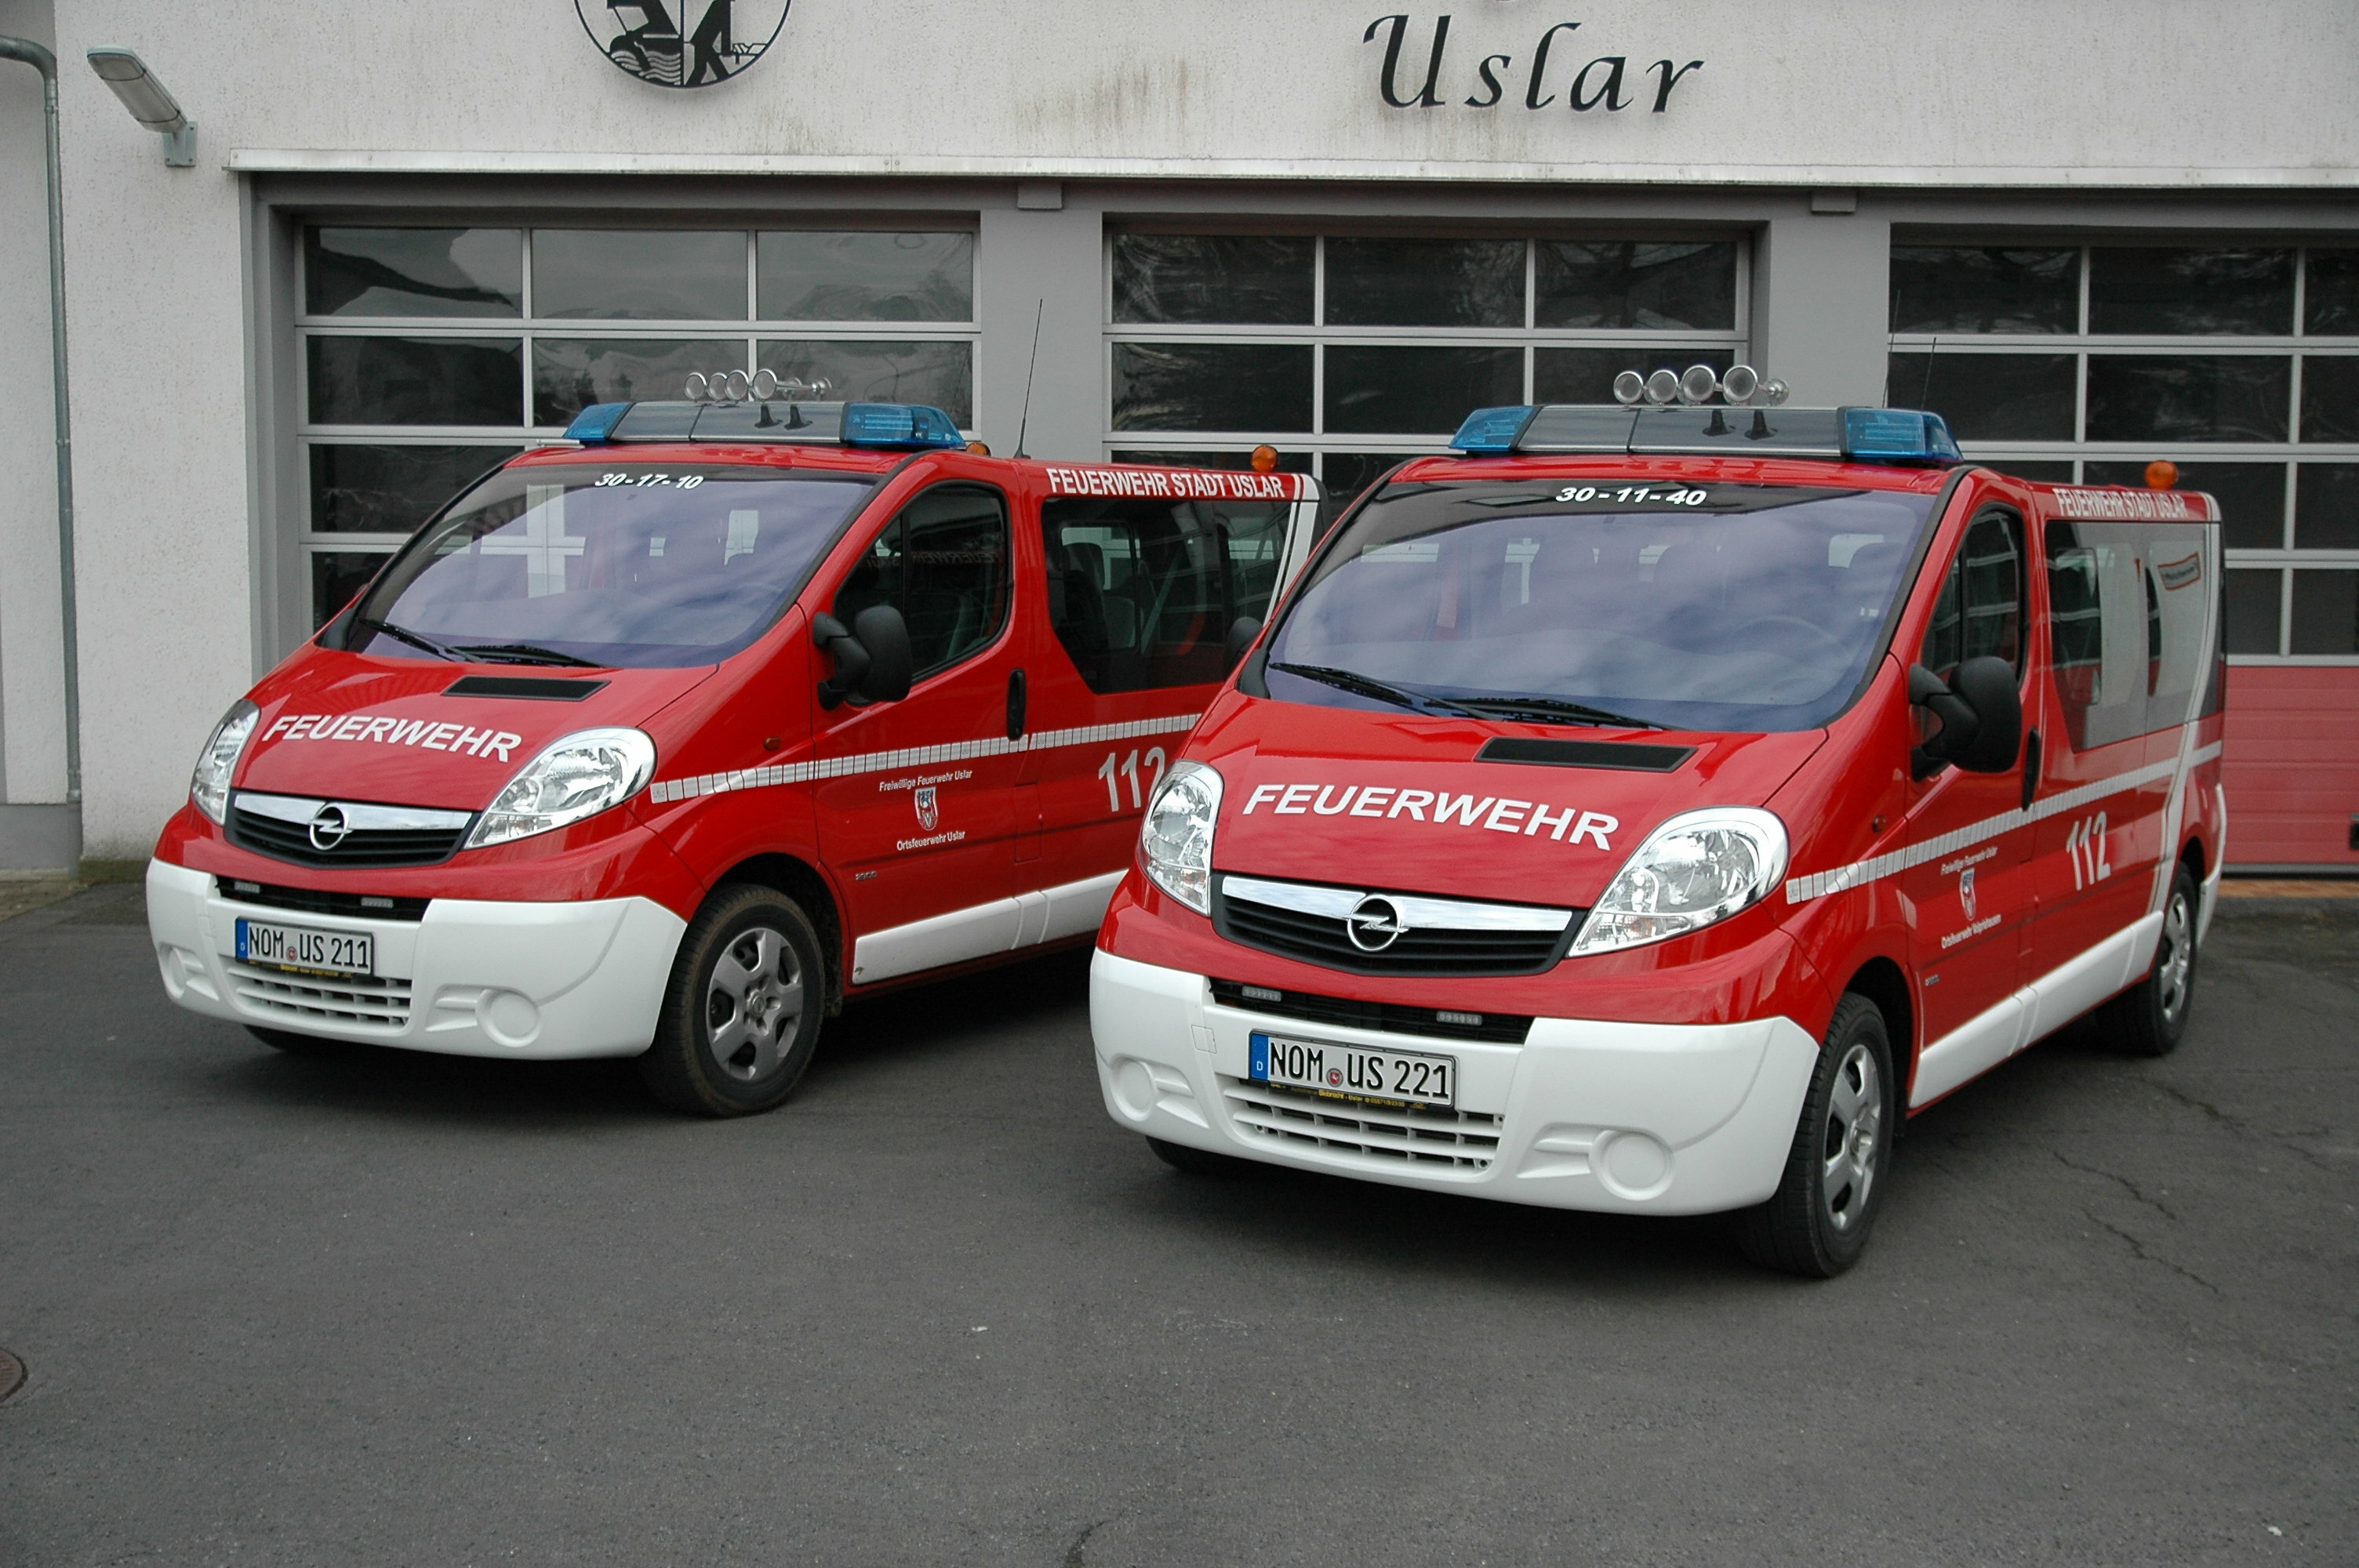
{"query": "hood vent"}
pixel 543 689
pixel 1586 754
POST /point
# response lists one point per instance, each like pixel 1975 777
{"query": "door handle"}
pixel 2030 767
pixel 1016 701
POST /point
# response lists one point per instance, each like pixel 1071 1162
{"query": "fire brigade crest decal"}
pixel 929 815
pixel 683 43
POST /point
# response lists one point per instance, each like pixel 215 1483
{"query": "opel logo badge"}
pixel 328 828
pixel 1374 925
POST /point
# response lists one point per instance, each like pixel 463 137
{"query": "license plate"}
pixel 1354 1072
pixel 278 947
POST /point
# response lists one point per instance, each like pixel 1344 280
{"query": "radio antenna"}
pixel 1926 392
pixel 1026 423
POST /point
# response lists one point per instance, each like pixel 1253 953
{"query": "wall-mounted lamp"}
pixel 149 103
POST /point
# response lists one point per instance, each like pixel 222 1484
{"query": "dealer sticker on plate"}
pixel 1354 1072
pixel 298 947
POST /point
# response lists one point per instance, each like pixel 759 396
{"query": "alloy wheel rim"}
pixel 754 1003
pixel 2178 958
pixel 1855 1130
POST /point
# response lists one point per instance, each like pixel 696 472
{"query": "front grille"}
pixel 379 1003
pixel 319 901
pixel 1443 936
pixel 280 827
pixel 1504 1027
pixel 1459 1139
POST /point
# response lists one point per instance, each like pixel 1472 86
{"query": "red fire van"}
pixel 1647 808
pixel 666 742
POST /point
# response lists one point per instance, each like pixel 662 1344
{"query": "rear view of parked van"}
pixel 1649 809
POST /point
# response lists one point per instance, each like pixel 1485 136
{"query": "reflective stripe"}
pixel 667 790
pixel 1859 873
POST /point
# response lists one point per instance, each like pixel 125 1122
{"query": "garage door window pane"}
pixel 417 381
pixel 1288 462
pixel 1985 289
pixel 2329 304
pixel 2188 397
pixel 2326 507
pixel 2190 292
pixel 2329 397
pixel 359 488
pixel 571 373
pixel 1643 284
pixel 1586 375
pixel 1425 283
pixel 810 276
pixel 1408 391
pixel 639 274
pixel 2253 611
pixel 413 272
pixel 939 373
pixel 1988 398
pixel 1212 387
pixel 2251 496
pixel 1234 279
pixel 337 575
pixel 2325 613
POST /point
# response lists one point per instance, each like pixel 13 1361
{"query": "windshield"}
pixel 1692 606
pixel 619 565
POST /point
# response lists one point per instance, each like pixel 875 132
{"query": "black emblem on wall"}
pixel 683 43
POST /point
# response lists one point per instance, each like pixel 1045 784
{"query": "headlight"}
pixel 579 776
pixel 1699 866
pixel 209 785
pixel 1178 836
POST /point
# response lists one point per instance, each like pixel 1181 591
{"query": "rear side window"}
pixel 2128 604
pixel 1142 592
pixel 943 564
pixel 1980 612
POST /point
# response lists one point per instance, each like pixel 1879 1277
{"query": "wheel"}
pixel 294 1044
pixel 1817 1223
pixel 741 1015
pixel 1198 1162
pixel 2148 1018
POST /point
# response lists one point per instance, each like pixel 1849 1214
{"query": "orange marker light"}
pixel 2161 474
pixel 978 448
pixel 1265 458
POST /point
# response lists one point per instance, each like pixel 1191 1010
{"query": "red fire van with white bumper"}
pixel 665 743
pixel 1646 809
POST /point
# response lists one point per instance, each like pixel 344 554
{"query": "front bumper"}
pixel 1626 1118
pixel 475 978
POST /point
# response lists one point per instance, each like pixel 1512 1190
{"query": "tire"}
pixel 1817 1223
pixel 1200 1161
pixel 2148 1018
pixel 294 1044
pixel 741 1015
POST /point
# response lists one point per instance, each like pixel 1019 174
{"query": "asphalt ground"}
pixel 386 1308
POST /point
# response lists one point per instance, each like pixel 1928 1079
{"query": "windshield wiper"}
pixel 403 635
pixel 524 653
pixel 1553 707
pixel 1363 685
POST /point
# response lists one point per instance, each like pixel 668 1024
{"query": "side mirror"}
pixel 1242 632
pixel 872 657
pixel 1981 714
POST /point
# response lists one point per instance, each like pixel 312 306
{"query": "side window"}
pixel 1980 611
pixel 1141 593
pixel 2127 615
pixel 943 563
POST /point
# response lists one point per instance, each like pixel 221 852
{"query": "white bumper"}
pixel 473 978
pixel 1628 1117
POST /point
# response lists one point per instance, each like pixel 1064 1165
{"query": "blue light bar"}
pixel 1490 431
pixel 899 425
pixel 597 422
pixel 1896 435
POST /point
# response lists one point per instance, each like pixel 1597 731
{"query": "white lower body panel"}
pixel 1049 914
pixel 1627 1117
pixel 2037 1010
pixel 475 978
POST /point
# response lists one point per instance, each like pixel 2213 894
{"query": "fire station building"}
pixel 346 257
